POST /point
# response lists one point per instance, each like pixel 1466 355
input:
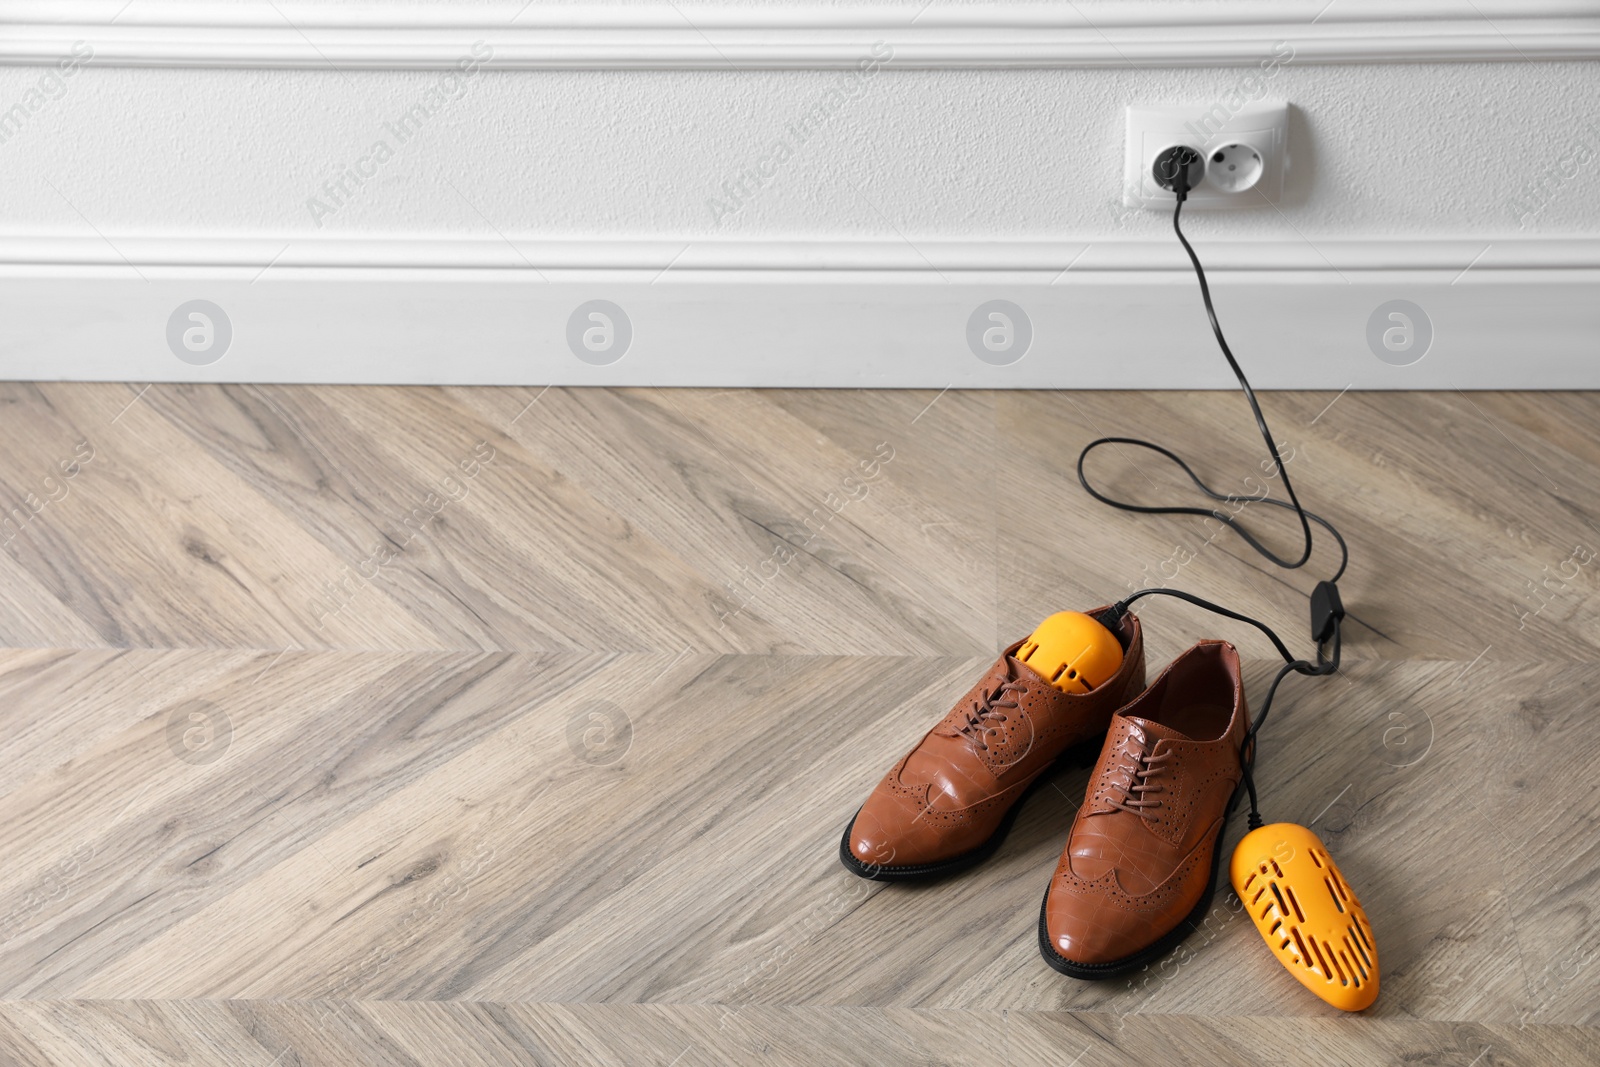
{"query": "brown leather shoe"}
pixel 1140 865
pixel 950 801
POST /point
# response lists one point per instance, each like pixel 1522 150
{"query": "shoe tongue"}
pixel 1157 730
pixel 1019 671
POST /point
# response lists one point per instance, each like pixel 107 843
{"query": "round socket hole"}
pixel 1233 168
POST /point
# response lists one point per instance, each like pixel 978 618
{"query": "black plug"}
pixel 1111 618
pixel 1171 170
pixel 1327 611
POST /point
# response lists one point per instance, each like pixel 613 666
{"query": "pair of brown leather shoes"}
pixel 1140 864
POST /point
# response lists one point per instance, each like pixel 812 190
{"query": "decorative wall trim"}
pixel 1508 313
pixel 430 36
pixel 278 253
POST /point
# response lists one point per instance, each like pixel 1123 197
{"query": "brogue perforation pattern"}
pixel 1111 772
pixel 1183 799
pixel 969 771
pixel 1180 884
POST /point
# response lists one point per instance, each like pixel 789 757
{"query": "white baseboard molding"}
pixel 434 36
pixel 1507 313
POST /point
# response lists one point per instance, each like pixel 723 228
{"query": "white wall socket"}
pixel 1246 151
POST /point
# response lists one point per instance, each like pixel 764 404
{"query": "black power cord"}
pixel 1172 171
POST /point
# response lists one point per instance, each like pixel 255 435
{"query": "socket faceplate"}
pixel 1262 125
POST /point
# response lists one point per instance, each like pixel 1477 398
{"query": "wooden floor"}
pixel 508 726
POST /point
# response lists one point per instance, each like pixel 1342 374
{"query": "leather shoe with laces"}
pixel 948 803
pixel 1140 866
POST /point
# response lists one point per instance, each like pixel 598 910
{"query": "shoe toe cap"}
pixel 894 829
pixel 873 844
pixel 1082 932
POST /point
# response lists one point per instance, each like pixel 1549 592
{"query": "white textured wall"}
pixel 927 153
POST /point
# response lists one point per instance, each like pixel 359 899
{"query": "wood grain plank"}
pixel 1439 567
pixel 832 544
pixel 536 796
pixel 1386 767
pixel 484 1034
pixel 163 547
pixel 699 865
pixel 142 837
pixel 580 878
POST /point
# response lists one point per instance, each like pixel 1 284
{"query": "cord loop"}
pixel 1327 662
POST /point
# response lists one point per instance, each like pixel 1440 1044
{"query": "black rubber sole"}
pixel 1081 756
pixel 1094 972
